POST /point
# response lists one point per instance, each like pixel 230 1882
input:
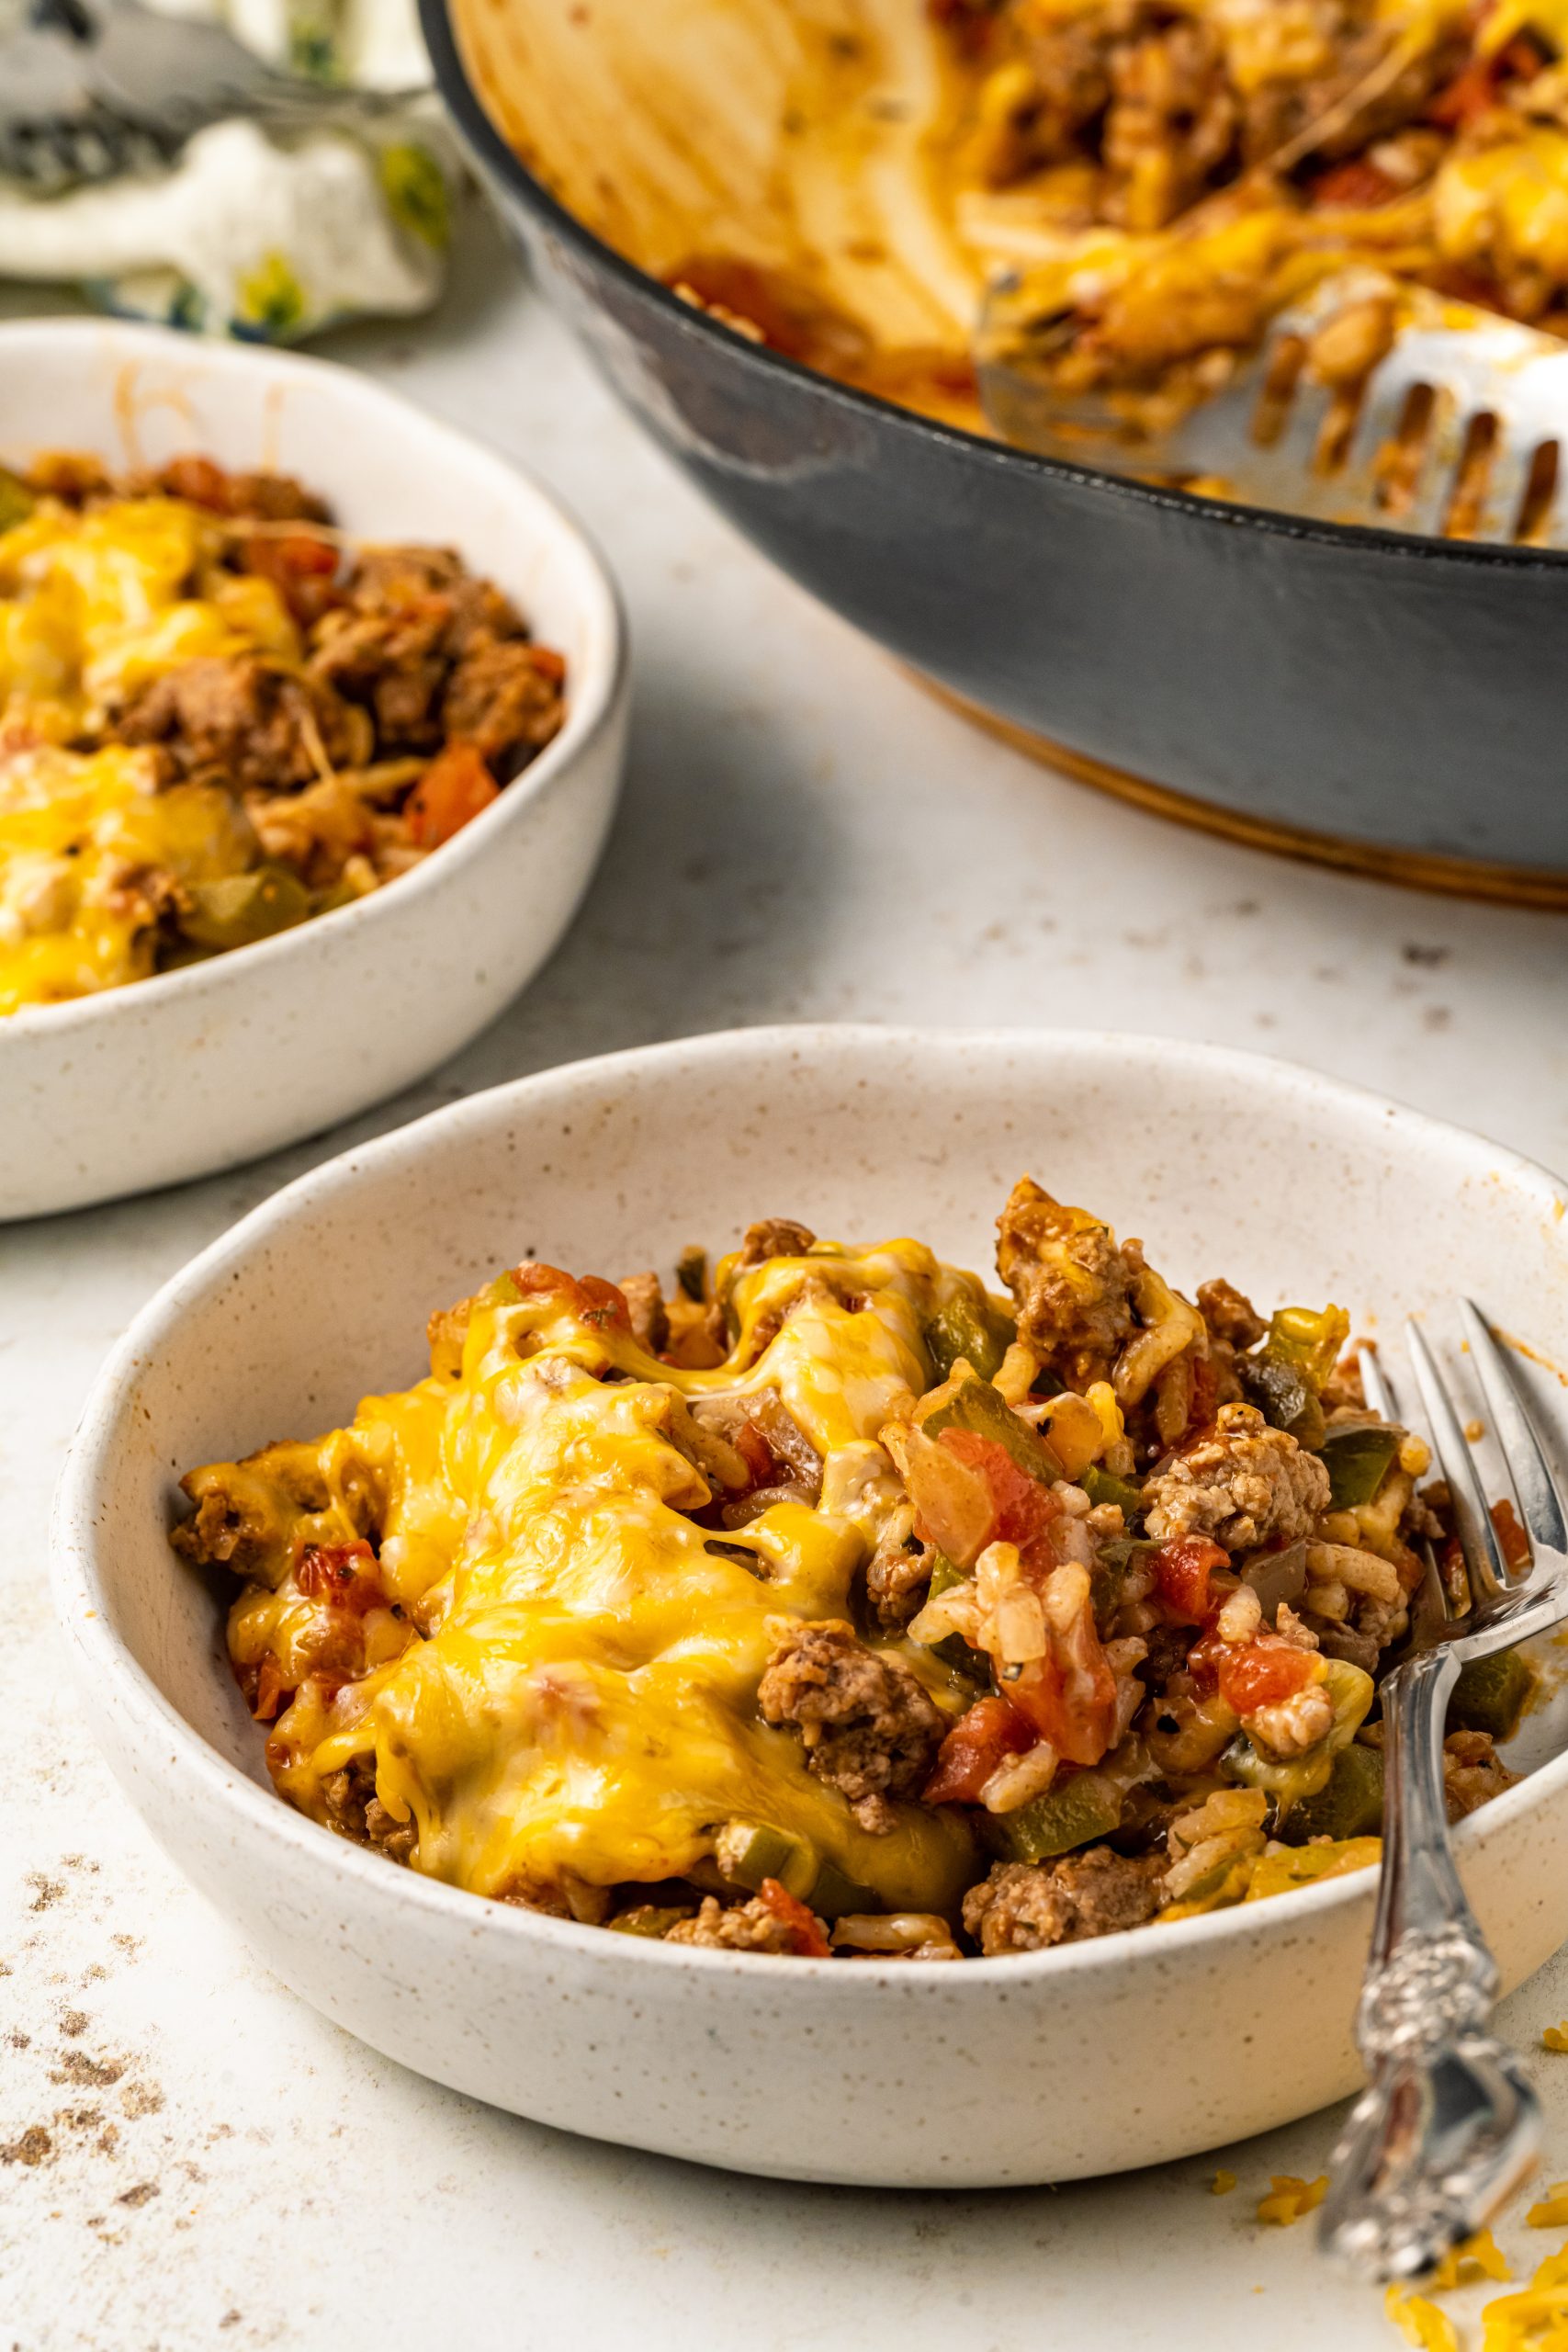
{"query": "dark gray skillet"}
pixel 1378 692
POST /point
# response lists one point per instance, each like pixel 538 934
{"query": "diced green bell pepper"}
pixel 1358 1461
pixel 1086 1806
pixel 1103 1486
pixel 1491 1692
pixel 648 1919
pixel 956 1329
pixel 974 1404
pixel 1310 1340
pixel 1107 1578
pixel 834 1892
pixel 241 909
pixel 952 1649
pixel 1284 1397
pixel 748 1852
pixel 1350 1806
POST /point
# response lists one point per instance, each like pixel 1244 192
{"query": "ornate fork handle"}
pixel 1448 2125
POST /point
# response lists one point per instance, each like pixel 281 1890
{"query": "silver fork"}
pixel 92 89
pixel 1447 2126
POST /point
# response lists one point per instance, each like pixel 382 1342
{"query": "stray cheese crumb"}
pixel 1420 2323
pixel 1288 2198
pixel 1222 2184
pixel 1550 2212
pixel 1478 2257
pixel 1556 2036
pixel 1534 2320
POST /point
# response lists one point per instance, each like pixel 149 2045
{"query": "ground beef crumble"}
pixel 1072 1284
pixel 897 1575
pixel 242 721
pixel 869 1726
pixel 649 1316
pixel 1229 1314
pixel 774 1237
pixel 1026 1906
pixel 1472 1772
pixel 1243 1483
pixel 354 1811
pixel 744 1926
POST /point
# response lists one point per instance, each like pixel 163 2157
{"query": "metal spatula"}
pixel 1457 428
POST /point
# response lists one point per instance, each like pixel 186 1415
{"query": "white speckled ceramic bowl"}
pixel 201 1069
pixel 1088 2059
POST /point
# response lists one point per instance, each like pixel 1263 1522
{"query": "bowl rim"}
pixel 100 1654
pixel 587 717
pixel 498 159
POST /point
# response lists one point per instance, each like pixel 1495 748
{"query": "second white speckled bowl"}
pixel 1087 2059
pixel 200 1068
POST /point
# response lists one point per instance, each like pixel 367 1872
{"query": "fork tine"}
pixel 1478 1538
pixel 1374 1385
pixel 1535 1490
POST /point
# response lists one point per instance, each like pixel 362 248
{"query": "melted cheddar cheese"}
pixel 93 605
pixel 557 1686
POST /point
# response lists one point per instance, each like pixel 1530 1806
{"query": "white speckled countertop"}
pixel 192 2158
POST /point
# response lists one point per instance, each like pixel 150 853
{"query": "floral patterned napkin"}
pixel 260 234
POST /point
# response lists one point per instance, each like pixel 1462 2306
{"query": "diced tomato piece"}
pixel 1356 185
pixel 1521 60
pixel 1069 1695
pixel 1512 1541
pixel 198 481
pixel 301 566
pixel 1462 285
pixel 548 662
pixel 591 1297
pixel 456 787
pixel 1469 95
pixel 271 1690
pixel 346 1574
pixel 805 1934
pixel 986 1736
pixel 1025 1508
pixel 1182 1569
pixel 1261 1673
pixel 1205 1395
pixel 536 1280
pixel 604 1303
pixel 972 23
pixel 755 1452
pixel 954 1508
pixel 307 553
pixel 601 1304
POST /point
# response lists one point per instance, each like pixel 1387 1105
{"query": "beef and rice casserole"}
pixel 218 717
pixel 1169 173
pixel 1145 185
pixel 832 1602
